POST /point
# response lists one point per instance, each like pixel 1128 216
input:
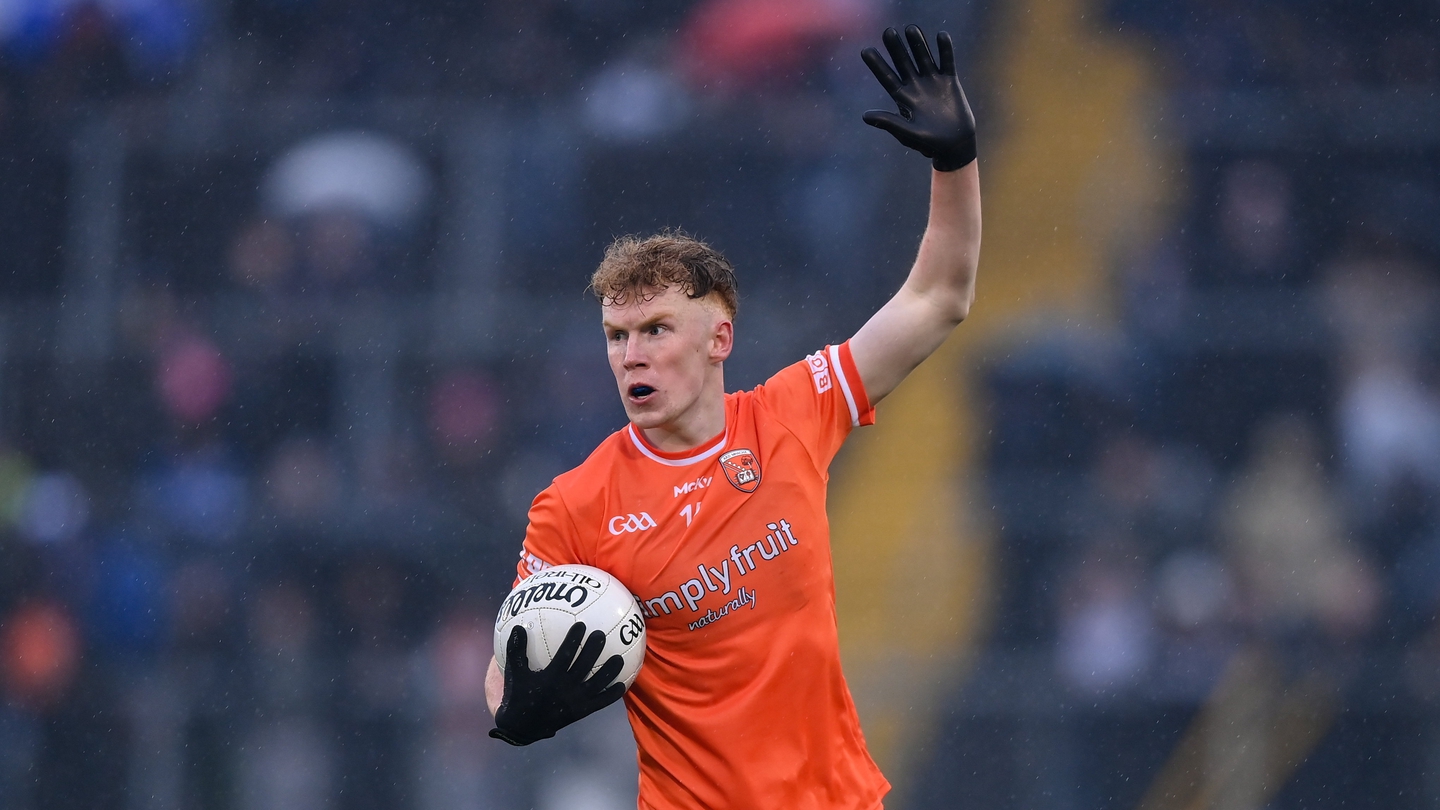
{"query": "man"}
pixel 710 507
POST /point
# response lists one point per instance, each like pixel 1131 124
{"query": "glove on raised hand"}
pixel 935 119
pixel 539 703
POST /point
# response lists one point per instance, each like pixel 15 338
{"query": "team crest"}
pixel 742 468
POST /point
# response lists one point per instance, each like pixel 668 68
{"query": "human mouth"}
pixel 639 393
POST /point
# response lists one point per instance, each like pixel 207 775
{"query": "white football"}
pixel 548 603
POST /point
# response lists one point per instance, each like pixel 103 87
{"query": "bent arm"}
pixel 936 296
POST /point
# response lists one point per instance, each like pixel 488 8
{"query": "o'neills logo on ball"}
pixel 570 587
pixel 742 468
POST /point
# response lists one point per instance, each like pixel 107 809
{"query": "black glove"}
pixel 935 119
pixel 539 703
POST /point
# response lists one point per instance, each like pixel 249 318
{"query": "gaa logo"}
pixel 742 468
pixel 621 524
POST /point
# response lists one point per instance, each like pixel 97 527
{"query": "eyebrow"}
pixel 651 321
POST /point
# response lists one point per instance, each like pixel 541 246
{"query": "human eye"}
pixel 654 329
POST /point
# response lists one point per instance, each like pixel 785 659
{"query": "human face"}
pixel 666 353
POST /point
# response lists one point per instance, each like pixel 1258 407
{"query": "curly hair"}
pixel 645 266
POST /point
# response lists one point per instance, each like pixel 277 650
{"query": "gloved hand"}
pixel 539 703
pixel 935 119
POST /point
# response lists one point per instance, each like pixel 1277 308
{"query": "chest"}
pixel 723 543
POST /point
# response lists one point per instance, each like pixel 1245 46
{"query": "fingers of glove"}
pixel 901 57
pixel 882 70
pixel 947 53
pixel 901 129
pixel 516 657
pixel 604 677
pixel 607 696
pixel 589 654
pixel 924 62
pixel 565 653
pixel 891 123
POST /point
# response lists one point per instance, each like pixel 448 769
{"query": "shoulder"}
pixel 799 383
pixel 595 474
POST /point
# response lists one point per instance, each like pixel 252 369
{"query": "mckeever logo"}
pixel 690 486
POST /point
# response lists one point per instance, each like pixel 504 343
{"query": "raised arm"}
pixel 935 120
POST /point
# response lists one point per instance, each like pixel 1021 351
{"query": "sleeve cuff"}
pixel 851 386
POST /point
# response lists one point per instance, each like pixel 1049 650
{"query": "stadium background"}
pixel 292 326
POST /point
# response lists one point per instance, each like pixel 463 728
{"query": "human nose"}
pixel 634 355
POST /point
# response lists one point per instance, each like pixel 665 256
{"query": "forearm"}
pixel 936 296
pixel 944 270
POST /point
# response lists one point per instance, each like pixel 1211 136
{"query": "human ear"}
pixel 722 340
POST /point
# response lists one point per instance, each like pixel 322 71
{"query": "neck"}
pixel 701 422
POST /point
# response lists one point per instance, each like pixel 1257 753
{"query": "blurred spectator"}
pixel 1389 418
pixel 353 198
pixel 456 770
pixel 131 599
pixel 371 175
pixel 514 33
pixel 303 482
pixel 1150 492
pixel 1283 529
pixel 337 251
pixel 16 474
pixel 1257 225
pixel 195 492
pixel 204 655
pixel 202 604
pixel 263 258
pixel 287 758
pixel 1197 611
pixel 733 46
pixel 1106 632
pixel 1195 591
pixel 632 100
pixel 55 508
pixel 193 379
pixel 39 652
pixel 393 477
pixel 374 687
pixel 464 411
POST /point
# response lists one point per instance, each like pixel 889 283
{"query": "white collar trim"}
pixel 677 462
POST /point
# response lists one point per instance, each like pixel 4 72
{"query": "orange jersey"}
pixel 741 702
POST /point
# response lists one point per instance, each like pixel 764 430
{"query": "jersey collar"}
pixel 684 458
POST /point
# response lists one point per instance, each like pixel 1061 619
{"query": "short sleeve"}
pixel 550 537
pixel 819 399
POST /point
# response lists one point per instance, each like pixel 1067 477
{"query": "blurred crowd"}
pixel 248 565
pixel 1248 462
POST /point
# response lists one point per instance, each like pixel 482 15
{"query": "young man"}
pixel 710 507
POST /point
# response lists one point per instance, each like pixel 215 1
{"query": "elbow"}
pixel 951 306
pixel 959 309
